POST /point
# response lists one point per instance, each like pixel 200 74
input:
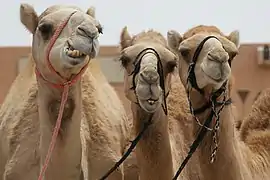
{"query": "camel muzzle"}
pixel 79 46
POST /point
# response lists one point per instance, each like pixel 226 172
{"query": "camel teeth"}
pixel 69 52
pixel 151 101
pixel 74 53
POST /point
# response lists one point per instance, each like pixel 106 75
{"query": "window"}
pixel 263 55
pixel 243 94
pixel 266 52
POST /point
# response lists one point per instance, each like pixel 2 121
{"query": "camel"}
pixel 244 158
pixel 149 77
pixel 94 130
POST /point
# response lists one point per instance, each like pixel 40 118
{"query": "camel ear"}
pixel 91 12
pixel 174 39
pixel 125 38
pixel 29 17
pixel 235 38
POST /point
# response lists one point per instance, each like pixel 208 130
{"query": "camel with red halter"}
pixel 61 119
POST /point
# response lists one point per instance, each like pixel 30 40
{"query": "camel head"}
pixel 148 64
pixel 76 44
pixel 211 53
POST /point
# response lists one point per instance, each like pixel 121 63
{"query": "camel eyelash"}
pixel 171 65
pixel 124 60
pixel 46 30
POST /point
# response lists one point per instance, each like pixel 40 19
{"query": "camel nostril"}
pixel 150 76
pixel 218 57
pixel 212 57
pixel 87 33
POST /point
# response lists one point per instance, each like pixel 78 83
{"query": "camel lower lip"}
pixel 73 61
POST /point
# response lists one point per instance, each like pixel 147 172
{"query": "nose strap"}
pixel 137 66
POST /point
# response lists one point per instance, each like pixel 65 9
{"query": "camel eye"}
pixel 125 60
pixel 184 51
pixel 46 30
pixel 171 66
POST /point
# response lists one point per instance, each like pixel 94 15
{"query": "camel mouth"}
pixel 149 105
pixel 217 79
pixel 73 53
pixel 218 75
pixel 213 78
pixel 151 101
pixel 73 56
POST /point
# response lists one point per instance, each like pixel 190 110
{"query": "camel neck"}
pixel 227 164
pixel 67 152
pixel 153 150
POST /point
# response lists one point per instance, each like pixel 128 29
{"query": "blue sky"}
pixel 247 16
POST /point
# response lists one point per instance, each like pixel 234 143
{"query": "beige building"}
pixel 251 71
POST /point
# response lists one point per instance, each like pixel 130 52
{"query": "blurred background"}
pixel 251 67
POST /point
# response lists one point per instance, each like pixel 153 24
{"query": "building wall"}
pixel 250 78
pixel 8 69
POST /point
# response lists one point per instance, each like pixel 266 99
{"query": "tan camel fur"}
pixel 255 132
pixel 94 127
pixel 237 159
pixel 163 145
